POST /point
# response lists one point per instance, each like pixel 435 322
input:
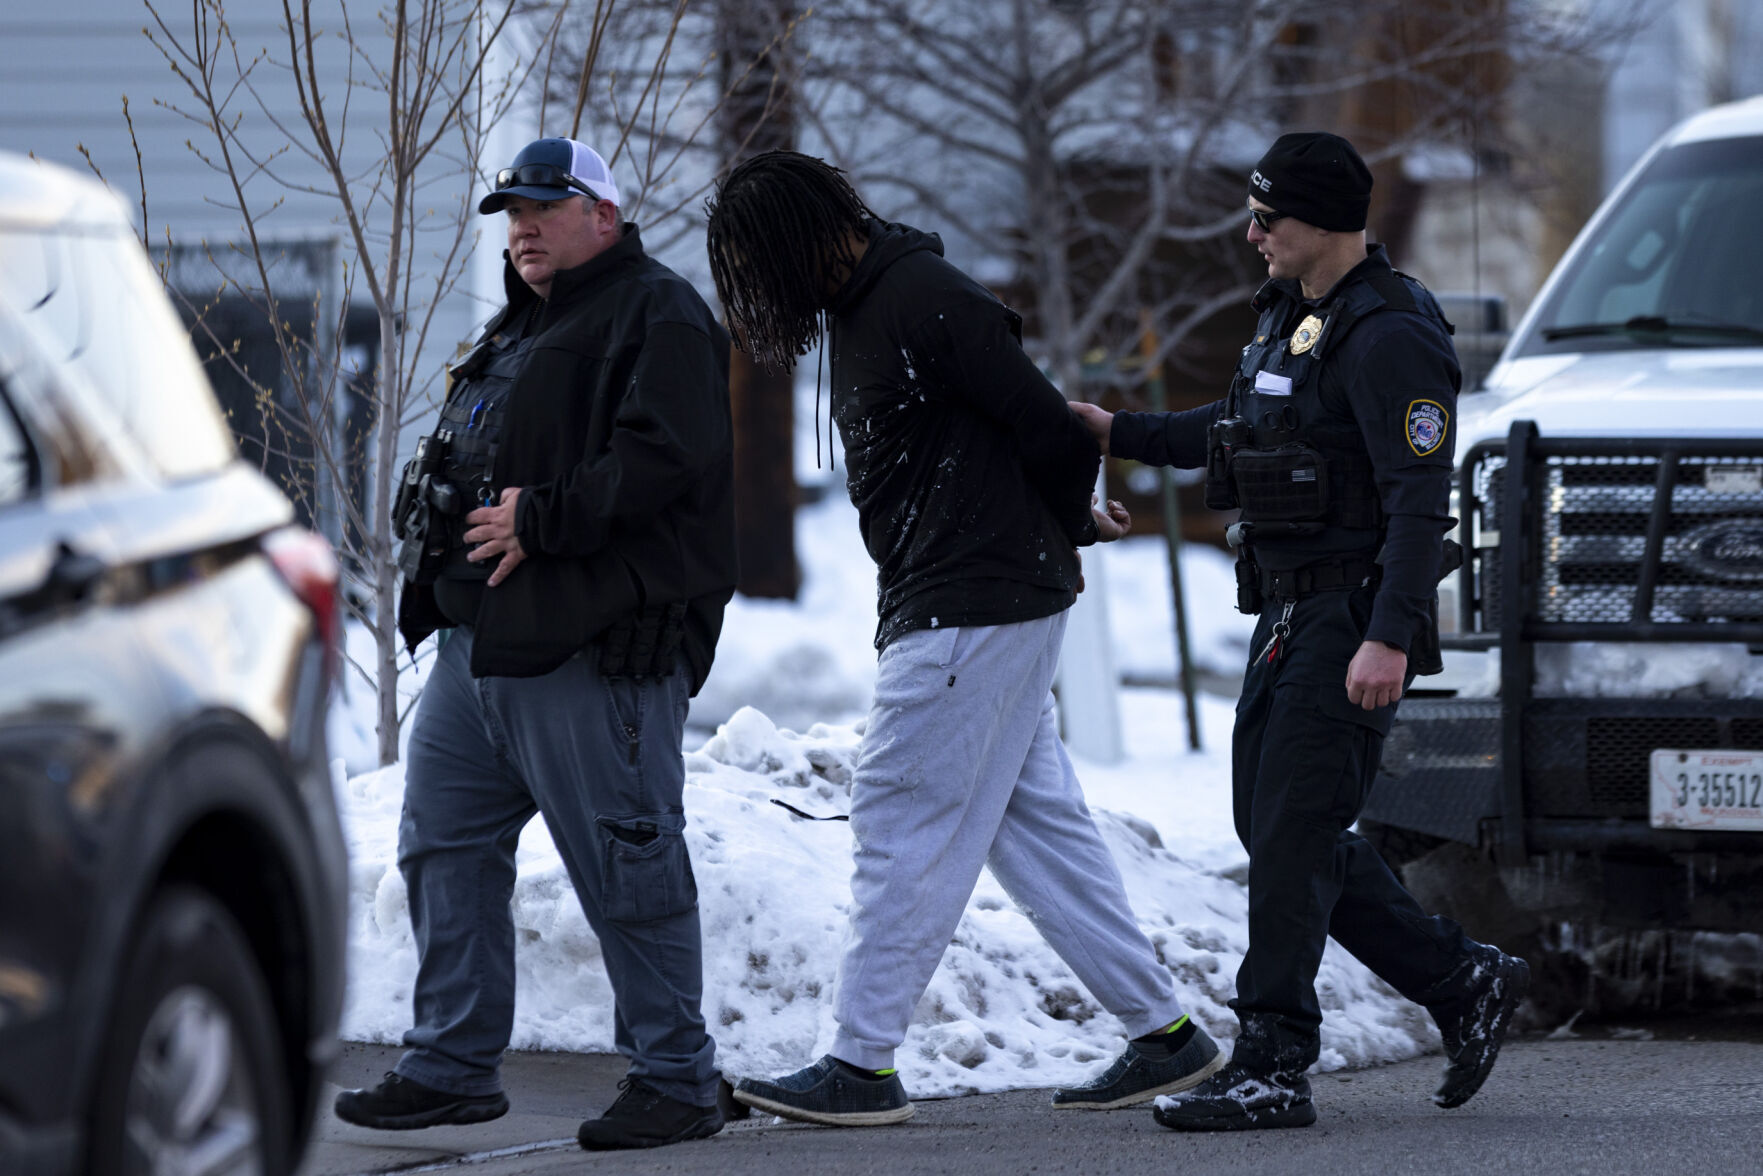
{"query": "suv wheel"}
pixel 191 1078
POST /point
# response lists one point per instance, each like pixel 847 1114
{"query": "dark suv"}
pixel 172 874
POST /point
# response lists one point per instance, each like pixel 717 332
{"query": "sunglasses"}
pixel 541 175
pixel 1265 220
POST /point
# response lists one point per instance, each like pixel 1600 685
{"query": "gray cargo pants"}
pixel 962 767
pixel 599 758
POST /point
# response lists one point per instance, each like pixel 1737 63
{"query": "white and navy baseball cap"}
pixel 552 169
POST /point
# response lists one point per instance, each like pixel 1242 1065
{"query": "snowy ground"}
pixel 1002 1011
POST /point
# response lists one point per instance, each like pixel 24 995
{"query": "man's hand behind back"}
pixel 1112 523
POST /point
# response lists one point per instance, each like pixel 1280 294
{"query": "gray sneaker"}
pixel 1134 1078
pixel 829 1093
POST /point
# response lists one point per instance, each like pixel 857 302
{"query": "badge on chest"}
pixel 1305 337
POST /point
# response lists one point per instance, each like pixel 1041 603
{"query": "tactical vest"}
pixel 1272 453
pixel 474 414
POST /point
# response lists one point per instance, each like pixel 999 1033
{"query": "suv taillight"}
pixel 306 562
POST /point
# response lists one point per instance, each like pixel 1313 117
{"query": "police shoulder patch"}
pixel 1427 423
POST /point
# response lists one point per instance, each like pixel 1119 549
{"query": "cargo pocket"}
pixel 1333 701
pixel 645 871
pixel 1327 754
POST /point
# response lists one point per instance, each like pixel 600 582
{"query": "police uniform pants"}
pixel 1303 762
pixel 599 759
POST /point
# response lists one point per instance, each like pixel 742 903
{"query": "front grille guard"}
pixel 1633 539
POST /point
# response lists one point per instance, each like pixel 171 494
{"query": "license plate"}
pixel 1708 790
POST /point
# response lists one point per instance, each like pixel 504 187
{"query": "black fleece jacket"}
pixel 618 434
pixel 971 476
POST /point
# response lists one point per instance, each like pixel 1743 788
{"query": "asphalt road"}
pixel 1598 1104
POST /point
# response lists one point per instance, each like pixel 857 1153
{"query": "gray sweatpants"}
pixel 962 767
pixel 599 759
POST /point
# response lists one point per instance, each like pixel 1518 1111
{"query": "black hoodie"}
pixel 971 476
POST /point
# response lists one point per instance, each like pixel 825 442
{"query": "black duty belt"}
pixel 1317 577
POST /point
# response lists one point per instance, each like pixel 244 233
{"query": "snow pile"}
pixel 774 890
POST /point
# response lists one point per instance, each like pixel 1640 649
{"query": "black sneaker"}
pixel 1239 1099
pixel 402 1104
pixel 732 1111
pixel 642 1116
pixel 1135 1078
pixel 829 1092
pixel 1475 1026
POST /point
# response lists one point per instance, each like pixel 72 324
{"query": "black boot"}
pixel 1474 1022
pixel 1239 1099
pixel 642 1116
pixel 401 1104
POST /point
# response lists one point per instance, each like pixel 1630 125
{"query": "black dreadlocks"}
pixel 779 225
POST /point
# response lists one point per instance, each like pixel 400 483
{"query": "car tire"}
pixel 191 1064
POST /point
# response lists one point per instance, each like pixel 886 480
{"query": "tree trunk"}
pixel 765 479
pixel 384 567
pixel 1379 114
pixel 758 116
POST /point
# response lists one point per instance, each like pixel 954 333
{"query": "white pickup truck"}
pixel 1592 756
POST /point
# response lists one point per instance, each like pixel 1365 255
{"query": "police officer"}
pixel 1335 441
pixel 570 523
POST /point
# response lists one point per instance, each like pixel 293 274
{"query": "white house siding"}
pixel 65 69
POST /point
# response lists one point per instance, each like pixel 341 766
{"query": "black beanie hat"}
pixel 1317 178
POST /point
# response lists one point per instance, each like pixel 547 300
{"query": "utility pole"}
pixel 1153 373
pixel 1088 683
